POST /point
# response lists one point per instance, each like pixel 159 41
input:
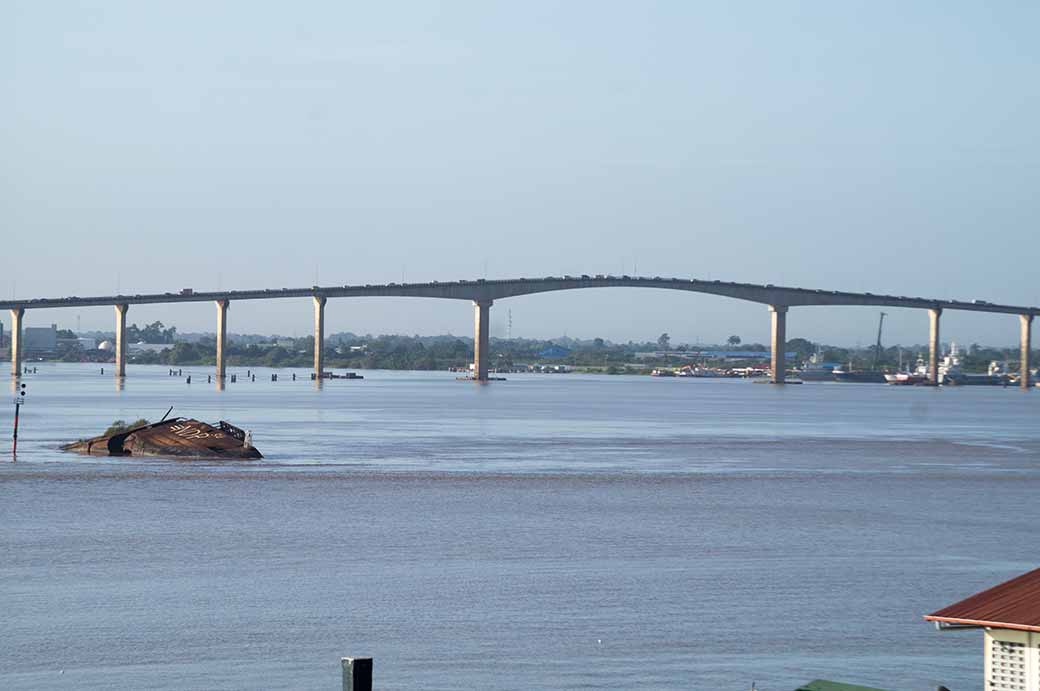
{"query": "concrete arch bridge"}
pixel 484 292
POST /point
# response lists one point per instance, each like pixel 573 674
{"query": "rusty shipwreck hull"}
pixel 178 437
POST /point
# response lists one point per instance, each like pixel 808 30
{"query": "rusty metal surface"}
pixel 181 437
pixel 186 437
pixel 1014 604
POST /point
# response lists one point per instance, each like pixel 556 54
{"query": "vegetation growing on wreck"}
pixel 122 426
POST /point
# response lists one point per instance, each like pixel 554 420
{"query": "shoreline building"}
pixel 1009 615
pixel 40 341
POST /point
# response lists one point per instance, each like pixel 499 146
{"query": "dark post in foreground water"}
pixel 357 673
pixel 19 399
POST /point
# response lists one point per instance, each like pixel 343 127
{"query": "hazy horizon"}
pixel 881 147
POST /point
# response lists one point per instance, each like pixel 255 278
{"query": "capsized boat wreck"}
pixel 179 436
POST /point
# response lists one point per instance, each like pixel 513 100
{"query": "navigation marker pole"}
pixel 19 400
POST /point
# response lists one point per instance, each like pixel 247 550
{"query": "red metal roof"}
pixel 1014 604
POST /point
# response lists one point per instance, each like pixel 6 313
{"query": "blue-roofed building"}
pixel 555 351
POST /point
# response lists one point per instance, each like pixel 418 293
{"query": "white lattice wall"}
pixel 1012 660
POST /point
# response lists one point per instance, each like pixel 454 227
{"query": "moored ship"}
pixel 905 378
pixel 864 376
pixel 858 376
pixel 951 374
pixel 815 374
pixel 815 369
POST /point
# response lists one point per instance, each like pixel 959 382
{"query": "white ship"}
pixel 951 374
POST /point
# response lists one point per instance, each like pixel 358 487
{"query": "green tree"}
pixel 733 340
pixel 803 347
pixel 152 333
pixel 276 357
pixel 664 341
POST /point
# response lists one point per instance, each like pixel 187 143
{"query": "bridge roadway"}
pixel 483 293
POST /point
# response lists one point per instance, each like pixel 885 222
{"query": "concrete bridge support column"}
pixel 222 308
pixel 121 339
pixel 481 339
pixel 933 345
pixel 778 344
pixel 319 336
pixel 1026 321
pixel 16 341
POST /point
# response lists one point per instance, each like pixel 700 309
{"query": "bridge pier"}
pixel 319 336
pixel 481 338
pixel 778 344
pixel 933 345
pixel 121 339
pixel 222 308
pixel 16 340
pixel 1026 341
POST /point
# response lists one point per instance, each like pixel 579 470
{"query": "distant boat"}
pixel 858 376
pixel 950 373
pixel 822 373
pixel 815 369
pixel 865 376
pixel 699 372
pixel 906 378
pixel 965 379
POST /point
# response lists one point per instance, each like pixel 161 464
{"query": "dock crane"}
pixel 877 348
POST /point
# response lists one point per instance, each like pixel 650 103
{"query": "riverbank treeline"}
pixel 350 351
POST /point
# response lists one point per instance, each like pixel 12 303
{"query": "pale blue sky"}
pixel 876 146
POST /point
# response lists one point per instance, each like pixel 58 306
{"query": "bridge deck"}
pixel 482 290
